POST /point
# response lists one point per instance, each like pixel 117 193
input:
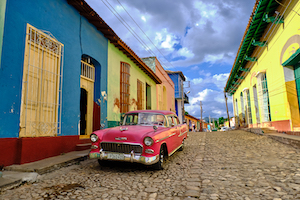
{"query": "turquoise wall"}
pixel 78 37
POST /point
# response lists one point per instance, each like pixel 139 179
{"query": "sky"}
pixel 198 37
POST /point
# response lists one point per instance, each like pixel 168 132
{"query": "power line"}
pixel 128 27
pixel 140 40
pixel 145 34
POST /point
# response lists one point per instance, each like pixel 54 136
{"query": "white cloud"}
pixel 185 52
pixel 168 42
pixel 201 96
pixel 220 79
pixel 195 68
pixel 197 81
pixel 143 18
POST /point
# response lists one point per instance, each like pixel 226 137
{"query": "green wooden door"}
pixel 297 81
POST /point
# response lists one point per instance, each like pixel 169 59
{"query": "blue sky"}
pixel 199 38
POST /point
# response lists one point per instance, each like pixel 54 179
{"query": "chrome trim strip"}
pixel 175 150
pixel 162 139
pixel 132 157
pixel 182 133
pixel 122 143
pixel 165 137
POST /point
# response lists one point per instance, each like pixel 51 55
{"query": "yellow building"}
pixel 264 80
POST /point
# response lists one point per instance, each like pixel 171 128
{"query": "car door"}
pixel 178 139
pixel 173 131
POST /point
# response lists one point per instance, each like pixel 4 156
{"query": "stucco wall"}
pixel 115 57
pixel 78 37
pixel 169 88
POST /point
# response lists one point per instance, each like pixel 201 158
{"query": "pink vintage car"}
pixel 145 136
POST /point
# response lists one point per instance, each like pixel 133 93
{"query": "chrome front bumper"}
pixel 132 157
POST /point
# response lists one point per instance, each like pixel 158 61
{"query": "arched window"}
pixel 264 96
pixel 248 106
pixel 242 104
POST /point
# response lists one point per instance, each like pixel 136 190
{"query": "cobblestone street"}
pixel 216 165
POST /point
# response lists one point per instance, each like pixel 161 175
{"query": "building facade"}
pixel 55 79
pixel 264 79
pixel 180 96
pixel 132 85
pixel 45 67
pixel 192 122
pixel 165 99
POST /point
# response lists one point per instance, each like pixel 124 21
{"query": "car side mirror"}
pixel 155 127
pixel 102 126
pixel 172 125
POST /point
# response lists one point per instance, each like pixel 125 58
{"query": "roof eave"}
pixel 86 11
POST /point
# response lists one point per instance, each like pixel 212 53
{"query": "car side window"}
pixel 175 119
pixel 170 120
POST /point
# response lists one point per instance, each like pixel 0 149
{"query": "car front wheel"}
pixel 161 161
pixel 103 163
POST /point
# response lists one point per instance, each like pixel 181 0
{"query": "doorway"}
pixel 87 80
pixel 297 81
pixel 83 111
pixel 148 97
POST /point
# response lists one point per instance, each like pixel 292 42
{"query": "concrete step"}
pixel 84 146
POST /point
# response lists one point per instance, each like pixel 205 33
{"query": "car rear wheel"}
pixel 161 161
pixel 182 146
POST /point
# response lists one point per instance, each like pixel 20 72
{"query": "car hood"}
pixel 130 134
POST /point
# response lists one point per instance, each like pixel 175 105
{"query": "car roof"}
pixel 164 112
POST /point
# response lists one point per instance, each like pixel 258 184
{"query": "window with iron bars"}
pixel 124 87
pixel 265 98
pixel 140 95
pixel 41 89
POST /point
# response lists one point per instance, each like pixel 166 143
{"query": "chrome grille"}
pixel 121 148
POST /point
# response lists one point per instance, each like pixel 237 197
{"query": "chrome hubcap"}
pixel 162 157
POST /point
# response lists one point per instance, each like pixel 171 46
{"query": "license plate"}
pixel 94 155
pixel 116 156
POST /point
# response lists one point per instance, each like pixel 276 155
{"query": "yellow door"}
pixel 86 99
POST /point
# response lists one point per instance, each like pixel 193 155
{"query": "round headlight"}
pixel 148 141
pixel 94 138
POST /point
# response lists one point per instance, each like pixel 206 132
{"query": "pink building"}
pixel 164 91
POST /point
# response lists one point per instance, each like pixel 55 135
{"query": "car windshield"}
pixel 146 119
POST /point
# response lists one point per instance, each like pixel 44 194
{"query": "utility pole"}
pixel 227 108
pixel 201 127
pixel 182 101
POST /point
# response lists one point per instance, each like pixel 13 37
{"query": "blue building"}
pixel 53 69
pixel 180 95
